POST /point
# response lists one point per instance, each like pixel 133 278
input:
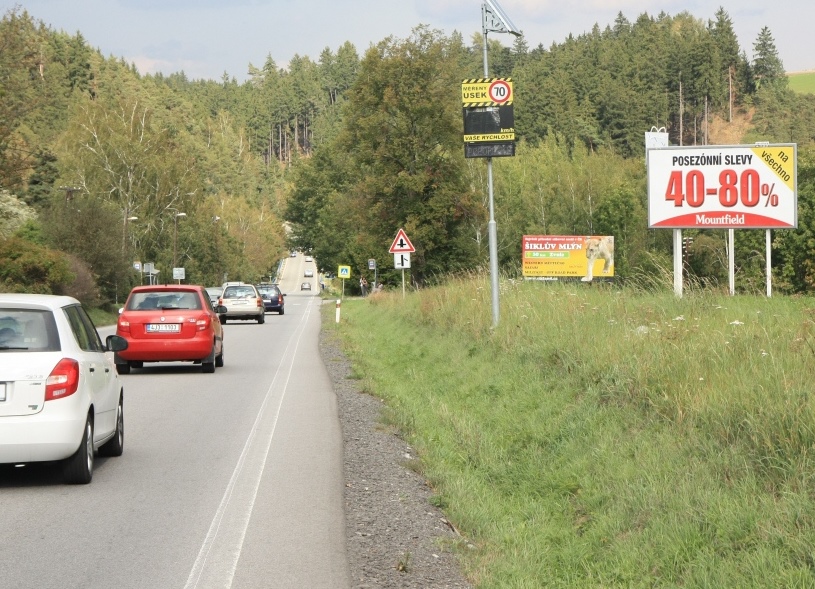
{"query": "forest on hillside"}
pixel 101 166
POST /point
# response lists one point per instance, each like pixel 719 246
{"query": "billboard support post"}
pixel 769 271
pixel 678 283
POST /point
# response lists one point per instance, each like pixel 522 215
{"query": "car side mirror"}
pixel 115 343
pixel 220 309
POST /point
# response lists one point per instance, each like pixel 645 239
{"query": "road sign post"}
pixel 494 19
pixel 343 272
pixel 401 248
pixel 372 266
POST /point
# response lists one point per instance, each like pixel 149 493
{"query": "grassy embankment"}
pixel 102 318
pixel 803 82
pixel 601 437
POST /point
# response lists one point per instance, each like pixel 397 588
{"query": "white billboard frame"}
pixel 723 186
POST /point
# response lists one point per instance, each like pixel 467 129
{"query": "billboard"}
pixel 568 256
pixel 723 187
pixel 489 119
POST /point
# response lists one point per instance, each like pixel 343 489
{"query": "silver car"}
pixel 242 301
pixel 214 293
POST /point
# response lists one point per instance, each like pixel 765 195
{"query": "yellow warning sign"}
pixel 486 92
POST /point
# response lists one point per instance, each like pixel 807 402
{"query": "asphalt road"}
pixel 231 479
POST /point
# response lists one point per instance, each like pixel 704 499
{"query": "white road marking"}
pixel 219 554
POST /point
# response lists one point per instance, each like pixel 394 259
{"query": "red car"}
pixel 170 323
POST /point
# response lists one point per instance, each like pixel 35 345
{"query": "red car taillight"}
pixel 202 324
pixel 260 302
pixel 63 380
pixel 124 325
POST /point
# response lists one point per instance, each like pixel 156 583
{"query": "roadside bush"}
pixel 83 287
pixel 27 267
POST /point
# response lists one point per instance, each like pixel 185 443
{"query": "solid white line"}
pixel 219 554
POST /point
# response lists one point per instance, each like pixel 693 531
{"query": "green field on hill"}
pixel 803 82
pixel 603 436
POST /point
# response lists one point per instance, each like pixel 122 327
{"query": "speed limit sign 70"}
pixel 501 91
pixel 723 187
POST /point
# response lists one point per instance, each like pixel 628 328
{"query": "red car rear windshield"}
pixel 148 301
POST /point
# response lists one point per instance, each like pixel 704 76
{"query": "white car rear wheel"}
pixel 78 469
pixel 115 445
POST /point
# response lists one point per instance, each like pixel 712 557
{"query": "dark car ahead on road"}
pixel 273 300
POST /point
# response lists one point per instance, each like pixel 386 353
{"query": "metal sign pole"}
pixel 493 18
pixel 731 261
pixel 492 228
pixel 768 254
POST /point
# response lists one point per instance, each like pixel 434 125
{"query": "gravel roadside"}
pixel 396 539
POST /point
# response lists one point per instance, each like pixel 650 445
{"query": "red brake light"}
pixel 124 325
pixel 63 380
pixel 202 324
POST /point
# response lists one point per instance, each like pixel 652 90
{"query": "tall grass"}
pixel 604 437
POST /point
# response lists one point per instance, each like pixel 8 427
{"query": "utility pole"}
pixel 176 215
pixel 493 19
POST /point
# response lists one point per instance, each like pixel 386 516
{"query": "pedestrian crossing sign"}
pixel 344 271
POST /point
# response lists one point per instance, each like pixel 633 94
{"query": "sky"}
pixel 207 38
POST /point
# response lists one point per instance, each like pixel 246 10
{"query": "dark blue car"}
pixel 272 297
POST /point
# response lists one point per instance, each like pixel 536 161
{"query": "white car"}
pixel 60 395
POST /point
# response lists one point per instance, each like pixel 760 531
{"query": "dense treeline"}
pixel 334 155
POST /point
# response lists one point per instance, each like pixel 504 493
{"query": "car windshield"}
pixel 150 300
pixel 267 290
pixel 28 330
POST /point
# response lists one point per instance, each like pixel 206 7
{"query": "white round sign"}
pixel 500 91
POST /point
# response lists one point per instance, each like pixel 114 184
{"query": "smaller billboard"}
pixel 567 256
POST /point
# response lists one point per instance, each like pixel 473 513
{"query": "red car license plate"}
pixel 163 327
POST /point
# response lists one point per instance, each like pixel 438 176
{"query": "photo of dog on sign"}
pixel 599 249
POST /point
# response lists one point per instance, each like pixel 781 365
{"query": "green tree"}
pixel 767 67
pixel 42 180
pixel 20 95
pixel 402 131
pixel 793 262
pixel 732 61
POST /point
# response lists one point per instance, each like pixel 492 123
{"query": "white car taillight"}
pixel 63 380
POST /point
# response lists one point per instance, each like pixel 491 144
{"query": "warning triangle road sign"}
pixel 401 244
